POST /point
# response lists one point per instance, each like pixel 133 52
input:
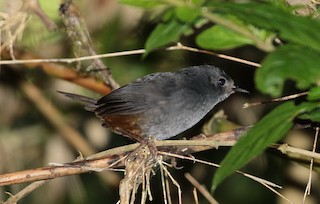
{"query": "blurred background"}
pixel 29 140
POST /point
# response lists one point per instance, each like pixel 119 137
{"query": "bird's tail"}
pixel 90 103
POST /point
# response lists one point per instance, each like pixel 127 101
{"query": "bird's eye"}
pixel 221 81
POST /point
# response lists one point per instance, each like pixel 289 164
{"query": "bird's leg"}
pixel 146 149
pixel 152 146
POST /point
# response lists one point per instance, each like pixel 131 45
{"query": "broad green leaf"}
pixel 268 130
pixel 165 33
pixel 219 37
pixel 142 3
pixel 314 94
pixel 288 62
pixel 187 14
pixel 298 29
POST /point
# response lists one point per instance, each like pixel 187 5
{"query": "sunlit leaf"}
pixel 220 37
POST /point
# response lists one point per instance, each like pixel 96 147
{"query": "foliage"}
pixel 258 24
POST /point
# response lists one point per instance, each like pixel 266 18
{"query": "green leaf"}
pixel 142 3
pixel 313 115
pixel 299 29
pixel 165 33
pixel 187 14
pixel 219 37
pixel 268 130
pixel 288 62
pixel 314 94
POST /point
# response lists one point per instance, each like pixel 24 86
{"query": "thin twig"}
pixel 179 46
pixel 24 192
pixel 297 153
pixel 308 187
pixel 259 180
pixel 76 59
pixel 195 196
pixel 285 98
pixel 162 164
pixel 164 192
pixel 143 192
pixel 167 173
pixel 202 189
pixel 276 192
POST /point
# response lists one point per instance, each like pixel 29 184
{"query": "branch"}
pixel 24 192
pixel 201 188
pixel 114 158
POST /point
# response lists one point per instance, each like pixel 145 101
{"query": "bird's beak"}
pixel 237 89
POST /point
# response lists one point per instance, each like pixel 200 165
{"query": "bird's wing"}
pixel 139 96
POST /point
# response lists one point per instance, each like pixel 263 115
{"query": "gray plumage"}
pixel 163 104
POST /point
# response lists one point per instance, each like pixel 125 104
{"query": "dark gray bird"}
pixel 162 105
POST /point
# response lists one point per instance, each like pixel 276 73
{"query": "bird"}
pixel 161 105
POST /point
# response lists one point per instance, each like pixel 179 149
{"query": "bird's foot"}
pixel 147 150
